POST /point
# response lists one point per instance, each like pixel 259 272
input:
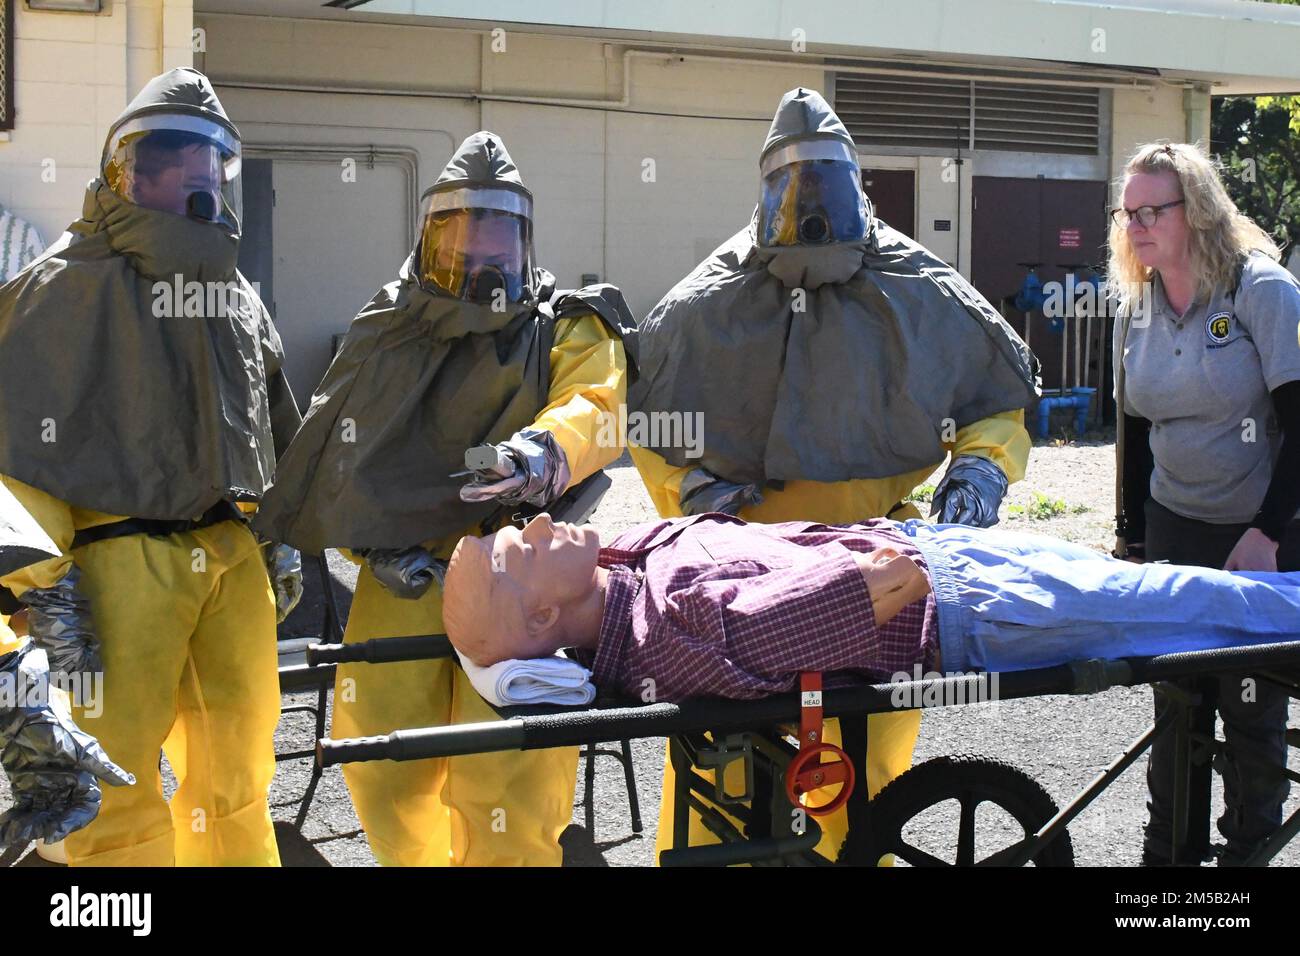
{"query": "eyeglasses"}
pixel 1146 215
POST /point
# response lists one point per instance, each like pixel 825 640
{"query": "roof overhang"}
pixel 1230 46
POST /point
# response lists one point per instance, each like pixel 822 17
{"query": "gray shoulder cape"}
pixel 129 389
pixel 418 380
pixel 852 379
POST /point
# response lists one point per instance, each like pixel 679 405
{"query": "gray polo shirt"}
pixel 1203 381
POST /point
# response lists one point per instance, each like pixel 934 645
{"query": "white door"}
pixel 335 243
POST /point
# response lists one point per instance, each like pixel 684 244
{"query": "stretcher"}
pixel 791 777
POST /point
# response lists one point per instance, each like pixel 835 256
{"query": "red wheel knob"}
pixel 808 772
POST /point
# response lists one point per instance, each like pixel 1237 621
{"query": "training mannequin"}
pixel 713 605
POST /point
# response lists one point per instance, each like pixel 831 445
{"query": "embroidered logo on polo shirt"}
pixel 1217 328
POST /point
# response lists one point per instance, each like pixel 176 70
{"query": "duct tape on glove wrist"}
pixel 60 623
pixel 541 472
pixel 970 493
pixel 407 573
pixel 703 492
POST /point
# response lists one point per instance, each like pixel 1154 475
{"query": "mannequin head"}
pixel 522 594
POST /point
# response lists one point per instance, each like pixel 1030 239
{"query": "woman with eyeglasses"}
pixel 1208 365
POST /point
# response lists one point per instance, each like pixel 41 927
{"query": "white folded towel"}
pixel 546 680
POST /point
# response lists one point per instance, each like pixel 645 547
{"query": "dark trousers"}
pixel 1256 724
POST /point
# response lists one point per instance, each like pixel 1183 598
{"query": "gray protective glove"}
pixel 540 474
pixel 59 622
pixel 702 492
pixel 284 567
pixel 407 573
pixel 51 763
pixel 970 493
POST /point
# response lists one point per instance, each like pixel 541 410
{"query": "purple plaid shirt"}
pixel 712 605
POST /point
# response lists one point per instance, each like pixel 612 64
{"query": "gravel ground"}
pixel 1063 743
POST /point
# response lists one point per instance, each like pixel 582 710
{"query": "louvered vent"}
pixel 892 110
pixel 1036 117
pixel 902 111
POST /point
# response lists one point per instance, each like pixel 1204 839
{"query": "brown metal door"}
pixel 893 194
pixel 1055 222
pixel 1052 221
pixel 1005 229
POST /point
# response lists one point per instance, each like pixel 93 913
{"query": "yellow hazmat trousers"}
pixel 186 626
pixel 999 438
pixel 501 809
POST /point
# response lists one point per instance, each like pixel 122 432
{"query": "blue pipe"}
pixel 1080 399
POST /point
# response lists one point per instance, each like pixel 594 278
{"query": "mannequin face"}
pixel 556 562
pixel 511 594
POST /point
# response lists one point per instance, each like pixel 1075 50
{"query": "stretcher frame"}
pixel 705 734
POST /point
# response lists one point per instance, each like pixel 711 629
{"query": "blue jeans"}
pixel 1010 601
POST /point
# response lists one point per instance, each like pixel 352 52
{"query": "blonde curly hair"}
pixel 1221 235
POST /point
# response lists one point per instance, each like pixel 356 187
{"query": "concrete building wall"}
pixel 944 194
pixel 74 73
pixel 634 197
pixel 1143 116
pixel 1250 45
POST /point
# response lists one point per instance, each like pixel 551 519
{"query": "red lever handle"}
pixel 808 771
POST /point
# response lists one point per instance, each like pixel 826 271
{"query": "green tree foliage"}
pixel 1258 141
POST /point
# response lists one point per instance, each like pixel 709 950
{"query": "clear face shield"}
pixel 177 163
pixel 476 243
pixel 811 195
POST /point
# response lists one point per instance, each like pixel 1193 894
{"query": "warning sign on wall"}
pixel 1069 239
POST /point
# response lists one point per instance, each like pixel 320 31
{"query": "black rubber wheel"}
pixel 969 781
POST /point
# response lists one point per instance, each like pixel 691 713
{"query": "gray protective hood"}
pixel 843 361
pixel 160 390
pixel 419 379
pixel 181 90
pixel 481 160
pixel 422 376
pixel 804 114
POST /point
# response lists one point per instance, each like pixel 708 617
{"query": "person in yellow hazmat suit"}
pixel 471 345
pixel 861 361
pixel 52 764
pixel 141 446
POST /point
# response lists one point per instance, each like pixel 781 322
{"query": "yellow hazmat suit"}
pixel 1000 438
pixel 185 626
pixel 502 809
pixel 162 413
